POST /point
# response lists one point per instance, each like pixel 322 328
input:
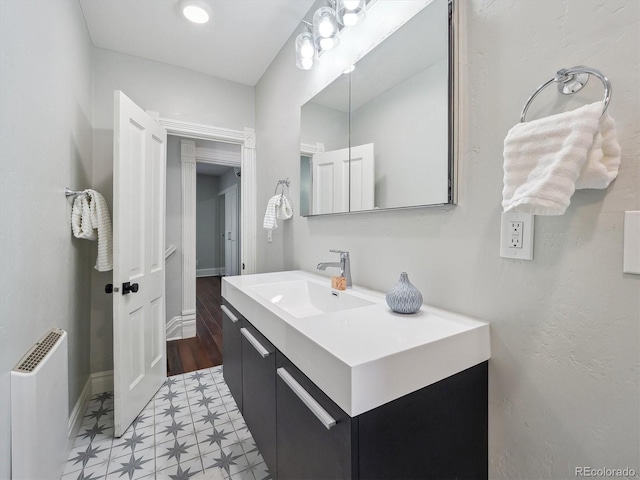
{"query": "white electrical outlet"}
pixel 515 232
pixel 516 236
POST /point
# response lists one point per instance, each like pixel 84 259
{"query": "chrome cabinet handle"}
pixel 254 342
pixel 327 420
pixel 233 318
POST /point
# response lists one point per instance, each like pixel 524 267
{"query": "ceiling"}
pixel 211 169
pixel 238 43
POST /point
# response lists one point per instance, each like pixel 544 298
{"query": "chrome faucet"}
pixel 344 265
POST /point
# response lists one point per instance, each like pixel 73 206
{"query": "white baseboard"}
pixel 77 414
pixel 102 382
pixel 174 328
pixel 182 326
pixel 189 326
pixel 209 272
pixel 96 383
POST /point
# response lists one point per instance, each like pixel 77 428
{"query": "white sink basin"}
pixel 303 299
pixel 352 346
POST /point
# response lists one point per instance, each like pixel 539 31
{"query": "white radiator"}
pixel 40 410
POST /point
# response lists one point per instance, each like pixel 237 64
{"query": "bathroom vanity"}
pixel 333 385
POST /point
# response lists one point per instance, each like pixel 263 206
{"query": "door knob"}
pixel 128 287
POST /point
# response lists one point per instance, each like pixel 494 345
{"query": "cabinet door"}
pixel 232 351
pixel 259 392
pixel 438 432
pixel 314 436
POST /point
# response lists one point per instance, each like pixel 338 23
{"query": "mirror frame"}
pixel 453 121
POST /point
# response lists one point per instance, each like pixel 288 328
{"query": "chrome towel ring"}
pixel 571 80
pixel 284 183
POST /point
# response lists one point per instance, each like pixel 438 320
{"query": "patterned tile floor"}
pixel 192 426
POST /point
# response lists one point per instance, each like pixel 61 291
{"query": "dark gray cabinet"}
pixel 315 437
pixel 438 432
pixel 259 392
pixel 232 321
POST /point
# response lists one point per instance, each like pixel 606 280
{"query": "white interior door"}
pixel 139 346
pixel 231 263
pixel 330 181
pixel 343 180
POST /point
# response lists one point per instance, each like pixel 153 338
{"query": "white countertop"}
pixel 363 357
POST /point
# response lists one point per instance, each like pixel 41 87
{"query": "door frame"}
pixel 223 193
pixel 248 187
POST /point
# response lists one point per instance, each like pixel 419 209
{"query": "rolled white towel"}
pixel 81 225
pixel 283 208
pixel 546 160
pixel 90 220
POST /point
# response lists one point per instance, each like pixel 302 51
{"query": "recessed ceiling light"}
pixel 195 11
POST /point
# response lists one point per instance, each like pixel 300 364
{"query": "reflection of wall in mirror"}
pixel 324 125
pixel 413 112
pixel 305 185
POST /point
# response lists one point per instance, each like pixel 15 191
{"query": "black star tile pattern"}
pixel 198 401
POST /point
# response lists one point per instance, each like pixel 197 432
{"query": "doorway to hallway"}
pixel 205 349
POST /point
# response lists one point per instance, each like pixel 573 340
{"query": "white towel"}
pixel 283 208
pixel 270 221
pixel 90 220
pixel 81 219
pixel 546 160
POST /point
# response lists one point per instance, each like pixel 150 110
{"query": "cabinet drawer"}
pixel 232 321
pixel 259 392
pixel 315 438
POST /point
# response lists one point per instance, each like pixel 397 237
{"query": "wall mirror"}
pixel 381 136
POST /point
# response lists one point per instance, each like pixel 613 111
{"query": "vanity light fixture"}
pixel 325 29
pixel 196 11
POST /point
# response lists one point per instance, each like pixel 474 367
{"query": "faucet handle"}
pixel 341 252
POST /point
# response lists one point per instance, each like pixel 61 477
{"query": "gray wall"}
pixel 175 93
pixel 45 146
pixel 564 328
pixel 416 109
pixel 324 125
pixel 207 188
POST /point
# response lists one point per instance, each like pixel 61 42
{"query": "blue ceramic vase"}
pixel 404 297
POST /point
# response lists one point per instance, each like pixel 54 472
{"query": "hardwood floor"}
pixel 205 349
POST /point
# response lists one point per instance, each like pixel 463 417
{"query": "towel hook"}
pixel 571 80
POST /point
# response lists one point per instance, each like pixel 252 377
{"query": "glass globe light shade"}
pixel 306 53
pixel 325 26
pixel 350 12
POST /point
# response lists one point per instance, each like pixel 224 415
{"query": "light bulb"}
pixel 327 43
pixel 325 29
pixel 306 63
pixel 350 19
pixel 307 50
pixel 195 14
pixel 351 4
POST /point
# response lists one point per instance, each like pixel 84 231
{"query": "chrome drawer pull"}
pixel 233 318
pixel 327 420
pixel 254 342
